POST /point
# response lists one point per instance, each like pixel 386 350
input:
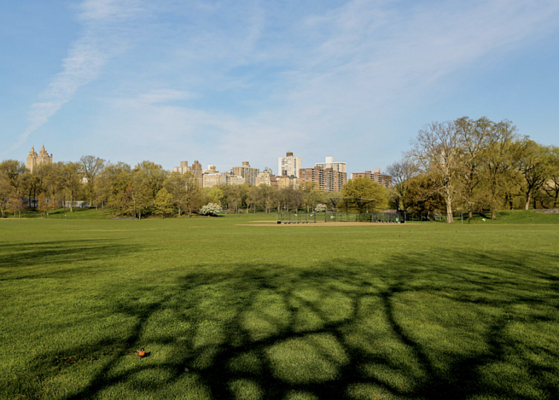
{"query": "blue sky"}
pixel 229 81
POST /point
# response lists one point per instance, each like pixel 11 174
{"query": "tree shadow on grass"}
pixel 414 327
pixel 31 257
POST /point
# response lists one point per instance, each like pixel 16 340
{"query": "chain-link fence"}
pixel 296 218
pixel 336 216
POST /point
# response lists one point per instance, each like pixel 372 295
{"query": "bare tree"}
pixel 401 173
pixel 475 135
pixel 437 152
pixel 499 176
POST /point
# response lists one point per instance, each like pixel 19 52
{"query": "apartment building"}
pixel 289 165
pixel 213 179
pixel 266 177
pixel 287 182
pixel 330 164
pixel 247 172
pixel 233 179
pixel 327 179
pixel 385 180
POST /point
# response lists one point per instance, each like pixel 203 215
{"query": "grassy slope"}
pixel 304 312
pixel 515 217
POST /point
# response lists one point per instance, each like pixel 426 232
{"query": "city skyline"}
pixel 223 83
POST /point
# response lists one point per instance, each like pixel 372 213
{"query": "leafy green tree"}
pixel 267 196
pixel 253 198
pixel 142 199
pixel 44 205
pixel 13 171
pixel 192 199
pixel 71 181
pixel 50 177
pixel 150 175
pixel 499 177
pixel 176 185
pixel 364 194
pixel 164 203
pixel 5 192
pixel 534 163
pixel 90 168
pixel 111 186
pixel 16 205
pixel 233 197
pixel 311 194
pixel 423 197
pixel 30 185
pixel 289 198
pixel 551 187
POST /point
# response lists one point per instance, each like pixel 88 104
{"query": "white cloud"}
pixel 101 39
pixel 251 75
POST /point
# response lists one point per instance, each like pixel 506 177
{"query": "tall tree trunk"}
pixel 528 198
pixel 449 218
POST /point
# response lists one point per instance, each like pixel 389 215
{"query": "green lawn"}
pixel 423 311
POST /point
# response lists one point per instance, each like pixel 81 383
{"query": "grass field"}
pixel 416 311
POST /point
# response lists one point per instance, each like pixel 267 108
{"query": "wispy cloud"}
pixel 103 37
pixel 221 80
pixel 261 75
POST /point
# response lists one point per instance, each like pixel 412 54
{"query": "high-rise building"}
pixel 196 170
pixel 289 165
pixel 34 159
pixel 327 179
pixel 183 169
pixel 247 172
pixel 385 180
pixel 329 163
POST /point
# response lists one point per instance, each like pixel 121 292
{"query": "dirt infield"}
pixel 273 223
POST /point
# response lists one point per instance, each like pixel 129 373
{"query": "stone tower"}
pixel 34 159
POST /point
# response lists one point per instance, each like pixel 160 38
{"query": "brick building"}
pixel 287 181
pixel 385 180
pixel 327 179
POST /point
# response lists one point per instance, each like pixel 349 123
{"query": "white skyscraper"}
pixel 289 165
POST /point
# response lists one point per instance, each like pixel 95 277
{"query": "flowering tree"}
pixel 211 209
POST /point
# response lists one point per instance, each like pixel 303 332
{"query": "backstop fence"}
pixel 297 217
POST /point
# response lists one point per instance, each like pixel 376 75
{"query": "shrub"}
pixel 212 209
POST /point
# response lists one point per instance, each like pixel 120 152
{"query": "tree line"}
pixel 461 166
pixel 472 166
pixel 148 189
